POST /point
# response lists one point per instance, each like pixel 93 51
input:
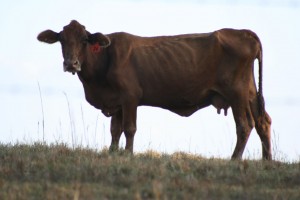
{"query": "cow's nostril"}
pixel 76 63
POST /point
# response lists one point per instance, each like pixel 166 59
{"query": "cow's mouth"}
pixel 72 70
pixel 72 67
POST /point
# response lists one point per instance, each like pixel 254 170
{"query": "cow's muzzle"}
pixel 72 66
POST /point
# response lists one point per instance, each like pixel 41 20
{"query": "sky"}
pixel 34 89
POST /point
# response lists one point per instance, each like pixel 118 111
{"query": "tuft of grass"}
pixel 56 171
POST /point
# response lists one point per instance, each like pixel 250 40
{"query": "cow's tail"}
pixel 260 97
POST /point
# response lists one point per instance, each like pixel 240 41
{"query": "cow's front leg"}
pixel 116 129
pixel 129 124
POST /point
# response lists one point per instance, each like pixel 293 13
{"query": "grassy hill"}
pixel 57 172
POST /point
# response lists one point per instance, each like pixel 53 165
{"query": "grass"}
pixel 41 171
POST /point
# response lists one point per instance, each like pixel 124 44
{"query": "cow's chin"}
pixel 72 70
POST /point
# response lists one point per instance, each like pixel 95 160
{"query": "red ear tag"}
pixel 95 48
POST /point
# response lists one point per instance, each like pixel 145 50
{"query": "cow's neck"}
pixel 96 88
pixel 94 68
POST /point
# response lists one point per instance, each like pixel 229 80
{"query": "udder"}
pixel 220 103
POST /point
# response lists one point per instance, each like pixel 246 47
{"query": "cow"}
pixel 181 73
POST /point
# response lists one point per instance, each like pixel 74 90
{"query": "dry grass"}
pixel 57 172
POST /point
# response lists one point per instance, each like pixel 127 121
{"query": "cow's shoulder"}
pixel 120 40
pixel 121 45
pixel 121 74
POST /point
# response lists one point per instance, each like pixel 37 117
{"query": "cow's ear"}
pixel 48 36
pixel 99 38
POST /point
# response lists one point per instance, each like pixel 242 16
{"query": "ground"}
pixel 41 171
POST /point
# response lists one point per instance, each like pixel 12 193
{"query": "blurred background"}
pixel 40 103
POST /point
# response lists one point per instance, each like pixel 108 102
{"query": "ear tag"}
pixel 95 48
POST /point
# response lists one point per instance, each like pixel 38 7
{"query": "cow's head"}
pixel 76 43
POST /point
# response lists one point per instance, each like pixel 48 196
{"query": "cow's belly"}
pixel 184 104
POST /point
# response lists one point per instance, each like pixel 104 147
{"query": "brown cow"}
pixel 182 73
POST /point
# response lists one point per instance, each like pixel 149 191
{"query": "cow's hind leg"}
pixel 263 128
pixel 116 129
pixel 244 124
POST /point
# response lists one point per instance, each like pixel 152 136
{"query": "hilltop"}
pixel 41 171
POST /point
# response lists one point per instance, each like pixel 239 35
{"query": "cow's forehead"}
pixel 74 28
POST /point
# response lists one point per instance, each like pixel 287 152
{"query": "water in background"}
pixel 26 63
